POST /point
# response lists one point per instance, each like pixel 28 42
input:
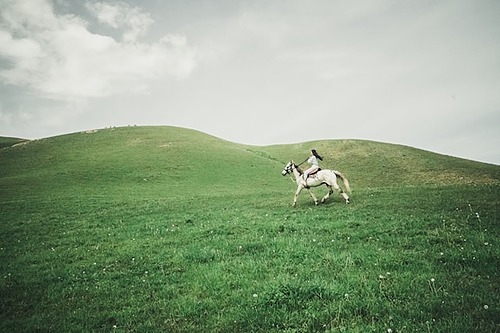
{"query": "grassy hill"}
pixel 8 141
pixel 167 229
pixel 183 160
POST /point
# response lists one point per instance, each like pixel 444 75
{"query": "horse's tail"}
pixel 344 179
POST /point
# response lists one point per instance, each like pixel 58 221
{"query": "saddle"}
pixel 313 174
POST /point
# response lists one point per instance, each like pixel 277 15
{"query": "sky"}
pixel 420 73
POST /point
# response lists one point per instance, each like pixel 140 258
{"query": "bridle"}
pixel 288 170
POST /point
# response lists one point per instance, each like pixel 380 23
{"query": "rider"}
pixel 313 161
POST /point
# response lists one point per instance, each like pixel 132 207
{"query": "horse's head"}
pixel 287 169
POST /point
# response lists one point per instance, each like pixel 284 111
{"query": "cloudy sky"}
pixel 421 73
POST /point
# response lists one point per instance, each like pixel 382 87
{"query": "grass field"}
pixel 162 229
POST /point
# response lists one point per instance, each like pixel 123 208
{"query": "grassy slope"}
pixel 8 141
pixel 109 162
pixel 185 160
pixel 375 164
pixel 148 229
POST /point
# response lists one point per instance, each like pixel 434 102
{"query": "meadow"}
pixel 163 229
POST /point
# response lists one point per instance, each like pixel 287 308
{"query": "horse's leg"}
pixel 313 196
pixel 346 197
pixel 341 191
pixel 299 189
pixel 327 195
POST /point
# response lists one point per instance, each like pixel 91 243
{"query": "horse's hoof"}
pixel 347 201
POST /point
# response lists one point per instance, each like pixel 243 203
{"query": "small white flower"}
pixel 255 295
pixel 486 307
pixel 432 280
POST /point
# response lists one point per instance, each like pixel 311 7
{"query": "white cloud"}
pixel 122 16
pixel 25 17
pixel 58 57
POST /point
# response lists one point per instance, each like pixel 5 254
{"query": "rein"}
pixel 304 161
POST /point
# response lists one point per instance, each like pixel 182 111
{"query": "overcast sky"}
pixel 419 73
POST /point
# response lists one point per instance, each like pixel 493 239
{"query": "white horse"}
pixel 324 176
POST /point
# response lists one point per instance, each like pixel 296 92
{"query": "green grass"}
pixel 170 230
pixel 8 142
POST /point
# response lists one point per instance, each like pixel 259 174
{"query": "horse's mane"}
pixel 298 169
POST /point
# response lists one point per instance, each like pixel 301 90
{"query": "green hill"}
pixel 8 141
pixel 375 164
pixel 165 229
pixel 112 160
pixel 170 159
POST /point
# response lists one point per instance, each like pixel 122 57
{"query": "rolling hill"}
pixel 8 141
pixel 187 160
pixel 166 229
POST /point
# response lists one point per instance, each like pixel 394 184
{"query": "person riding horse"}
pixel 313 161
pixel 323 177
